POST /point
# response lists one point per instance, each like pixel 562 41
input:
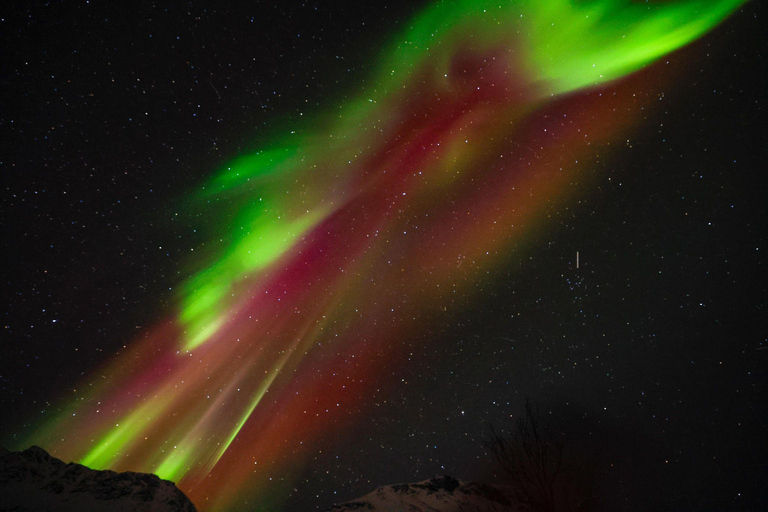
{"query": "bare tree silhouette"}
pixel 531 459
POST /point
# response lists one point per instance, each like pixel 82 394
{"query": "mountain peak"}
pixel 37 453
pixel 443 493
pixel 35 480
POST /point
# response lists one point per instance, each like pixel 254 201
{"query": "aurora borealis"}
pixel 347 237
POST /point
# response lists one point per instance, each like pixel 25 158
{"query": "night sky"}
pixel 649 358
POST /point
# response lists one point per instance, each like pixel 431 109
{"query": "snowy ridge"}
pixel 34 480
pixel 440 494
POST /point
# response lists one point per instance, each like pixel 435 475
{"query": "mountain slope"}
pixel 443 494
pixel 34 480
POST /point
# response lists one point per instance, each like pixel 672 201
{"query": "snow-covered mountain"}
pixel 441 494
pixel 33 480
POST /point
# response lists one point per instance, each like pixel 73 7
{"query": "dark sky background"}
pixel 651 358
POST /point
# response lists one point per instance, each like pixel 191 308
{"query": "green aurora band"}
pixel 564 46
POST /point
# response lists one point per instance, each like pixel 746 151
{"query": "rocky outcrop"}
pixel 33 480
